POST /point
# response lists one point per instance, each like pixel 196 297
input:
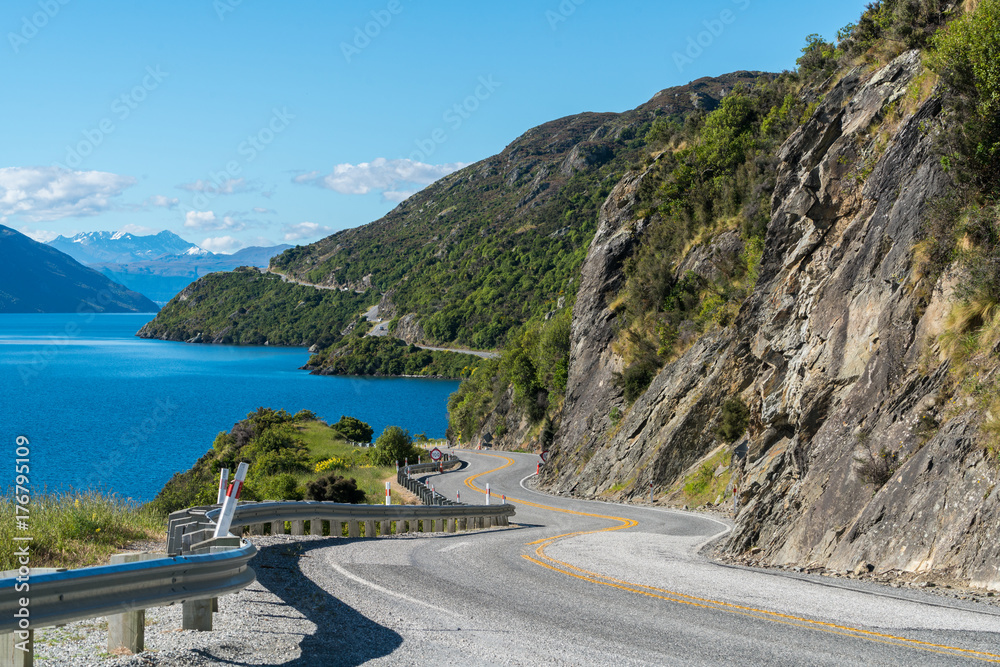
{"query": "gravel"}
pixel 254 627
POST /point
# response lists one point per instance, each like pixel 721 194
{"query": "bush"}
pixel 335 488
pixel 636 379
pixel 354 429
pixel 966 54
pixel 876 467
pixel 733 420
pixel 395 444
pixel 278 487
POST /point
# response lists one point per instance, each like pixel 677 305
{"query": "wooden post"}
pixel 277 527
pixel 386 528
pixel 197 615
pixel 13 643
pixel 369 528
pixel 298 527
pixel 127 631
pixel 352 529
pixel 449 525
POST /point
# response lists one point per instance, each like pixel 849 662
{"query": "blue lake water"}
pixel 104 409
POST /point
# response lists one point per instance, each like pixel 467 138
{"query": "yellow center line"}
pixel 706 603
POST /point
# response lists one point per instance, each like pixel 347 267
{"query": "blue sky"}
pixel 244 122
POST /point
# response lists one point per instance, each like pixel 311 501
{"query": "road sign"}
pixel 545 456
pixel 435 454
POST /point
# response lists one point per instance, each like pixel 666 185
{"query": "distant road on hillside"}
pixel 382 328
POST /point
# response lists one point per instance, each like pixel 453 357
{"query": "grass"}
pixel 702 487
pixel 322 443
pixel 75 529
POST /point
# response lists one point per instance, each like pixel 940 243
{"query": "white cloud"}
pixel 138 230
pixel 40 235
pixel 163 202
pixel 397 195
pixel 207 221
pixel 228 186
pixel 222 244
pixel 379 174
pixel 262 210
pixel 50 193
pixel 305 230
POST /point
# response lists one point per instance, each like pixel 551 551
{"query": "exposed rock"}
pixel 827 354
pixel 408 329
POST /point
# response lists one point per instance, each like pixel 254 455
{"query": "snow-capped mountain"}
pixel 123 247
pixel 159 265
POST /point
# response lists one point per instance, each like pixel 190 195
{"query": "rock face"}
pixel 833 352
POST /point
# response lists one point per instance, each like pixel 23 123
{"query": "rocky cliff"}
pixel 834 352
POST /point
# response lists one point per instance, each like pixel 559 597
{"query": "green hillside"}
pixel 470 257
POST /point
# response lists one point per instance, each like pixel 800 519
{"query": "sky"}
pixel 243 122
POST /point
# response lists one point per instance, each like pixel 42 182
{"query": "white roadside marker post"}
pixel 232 497
pixel 388 498
pixel 223 481
pixel 487 494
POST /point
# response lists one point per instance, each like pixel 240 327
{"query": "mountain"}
pixel 122 247
pixel 481 251
pixel 796 304
pixel 786 308
pixel 36 278
pixel 157 265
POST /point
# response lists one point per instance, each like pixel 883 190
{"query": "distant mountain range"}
pixel 122 247
pixel 36 278
pixel 157 265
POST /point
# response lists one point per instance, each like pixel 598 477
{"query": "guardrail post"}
pixel 386 527
pixel 197 615
pixel 449 525
pixel 298 527
pixel 352 529
pixel 369 528
pixel 277 527
pixel 14 656
pixel 128 630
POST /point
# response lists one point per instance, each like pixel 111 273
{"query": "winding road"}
pixel 588 583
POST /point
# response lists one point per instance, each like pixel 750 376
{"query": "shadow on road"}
pixel 342 636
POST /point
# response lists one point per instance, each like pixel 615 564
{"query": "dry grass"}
pixel 75 530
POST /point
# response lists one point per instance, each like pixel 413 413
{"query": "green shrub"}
pixel 733 420
pixel 335 488
pixel 394 445
pixel 967 56
pixel 278 487
pixel 353 429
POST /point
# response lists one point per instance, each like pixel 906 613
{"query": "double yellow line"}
pixel 562 567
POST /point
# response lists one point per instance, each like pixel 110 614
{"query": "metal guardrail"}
pixel 198 567
pixel 74 595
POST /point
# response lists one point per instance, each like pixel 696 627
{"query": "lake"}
pixel 103 409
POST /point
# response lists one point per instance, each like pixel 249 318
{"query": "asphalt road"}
pixel 587 583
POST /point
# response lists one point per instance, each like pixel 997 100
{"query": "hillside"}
pixel 35 278
pixel 485 249
pixel 825 300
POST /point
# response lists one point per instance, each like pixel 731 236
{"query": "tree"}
pixel 335 488
pixel 395 444
pixel 354 429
